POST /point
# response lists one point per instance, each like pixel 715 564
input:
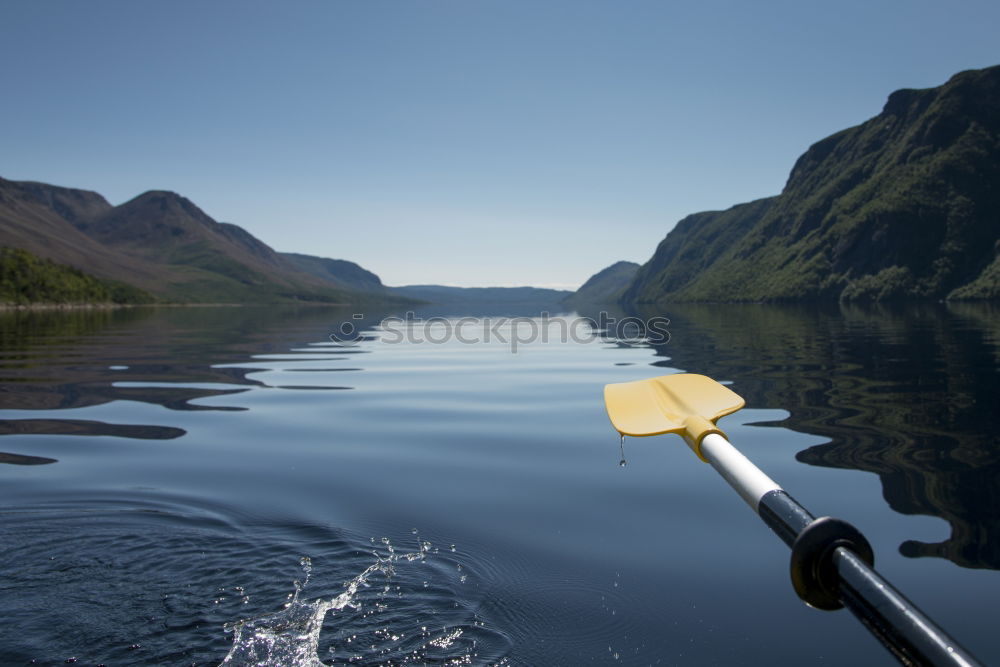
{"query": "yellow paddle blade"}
pixel 685 404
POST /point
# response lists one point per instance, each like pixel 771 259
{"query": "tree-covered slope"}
pixel 691 249
pixel 606 285
pixel 28 279
pixel 906 205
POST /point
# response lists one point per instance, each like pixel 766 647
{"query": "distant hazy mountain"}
pixel 339 271
pixel 440 294
pixel 605 286
pixel 162 243
pixel 906 205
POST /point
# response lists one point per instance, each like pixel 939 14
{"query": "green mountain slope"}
pixel 338 271
pixel 26 278
pixel 163 244
pixel 605 286
pixel 207 261
pixel 905 205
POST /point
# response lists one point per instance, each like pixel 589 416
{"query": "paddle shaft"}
pixel 829 550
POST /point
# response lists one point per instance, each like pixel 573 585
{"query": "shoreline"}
pixel 8 307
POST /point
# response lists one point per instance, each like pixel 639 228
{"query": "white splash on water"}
pixel 446 640
pixel 290 637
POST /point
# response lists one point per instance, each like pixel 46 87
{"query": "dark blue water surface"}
pixel 170 473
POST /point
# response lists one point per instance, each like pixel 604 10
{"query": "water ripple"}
pixel 119 581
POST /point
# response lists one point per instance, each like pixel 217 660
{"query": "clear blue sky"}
pixel 465 142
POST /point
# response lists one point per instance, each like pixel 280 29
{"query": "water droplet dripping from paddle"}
pixel 623 462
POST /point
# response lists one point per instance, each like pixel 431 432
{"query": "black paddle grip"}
pixel 814 573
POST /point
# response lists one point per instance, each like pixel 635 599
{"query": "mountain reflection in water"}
pixel 207 470
pixel 907 392
pixel 172 357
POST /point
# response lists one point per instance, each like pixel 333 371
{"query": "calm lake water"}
pixel 172 472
